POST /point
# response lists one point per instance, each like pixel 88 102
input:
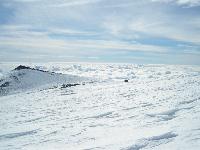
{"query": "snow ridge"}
pixel 24 78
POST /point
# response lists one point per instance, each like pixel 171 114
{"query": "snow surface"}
pixel 159 108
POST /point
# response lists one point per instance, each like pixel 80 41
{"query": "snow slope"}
pixel 20 80
pixel 158 109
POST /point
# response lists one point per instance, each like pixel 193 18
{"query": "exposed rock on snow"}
pixel 23 78
pixel 69 85
pixel 20 67
pixel 125 80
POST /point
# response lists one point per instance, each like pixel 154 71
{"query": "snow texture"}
pixel 157 109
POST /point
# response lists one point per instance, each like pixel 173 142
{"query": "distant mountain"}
pixel 23 78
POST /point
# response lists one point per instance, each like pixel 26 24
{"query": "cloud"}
pixel 157 23
pixel 171 30
pixel 75 3
pixel 93 28
pixel 57 3
pixel 23 42
pixel 44 42
pixel 189 3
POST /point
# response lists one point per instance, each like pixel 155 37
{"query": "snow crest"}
pixel 25 78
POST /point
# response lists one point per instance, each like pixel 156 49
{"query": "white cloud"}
pixel 179 27
pixel 190 3
pixel 75 27
pixel 74 3
pixel 58 3
pixel 24 37
pixel 168 30
pixel 48 44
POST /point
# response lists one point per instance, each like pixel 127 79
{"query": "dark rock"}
pixel 15 78
pixel 6 84
pixel 125 80
pixel 69 85
pixel 20 67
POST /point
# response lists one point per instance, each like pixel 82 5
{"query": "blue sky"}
pixel 127 31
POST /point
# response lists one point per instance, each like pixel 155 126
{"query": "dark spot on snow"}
pixel 125 80
pixel 69 85
pixel 15 78
pixel 6 84
pixel 20 67
pixel 53 87
pixel 20 74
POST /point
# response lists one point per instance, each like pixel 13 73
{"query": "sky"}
pixel 123 31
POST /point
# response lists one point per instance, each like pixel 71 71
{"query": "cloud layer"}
pixel 143 31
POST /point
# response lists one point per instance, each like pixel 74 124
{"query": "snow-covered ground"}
pixel 159 108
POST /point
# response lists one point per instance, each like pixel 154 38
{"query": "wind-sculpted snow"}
pixel 16 135
pixel 153 141
pixel 157 109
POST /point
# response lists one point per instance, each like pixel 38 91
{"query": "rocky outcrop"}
pixel 24 78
